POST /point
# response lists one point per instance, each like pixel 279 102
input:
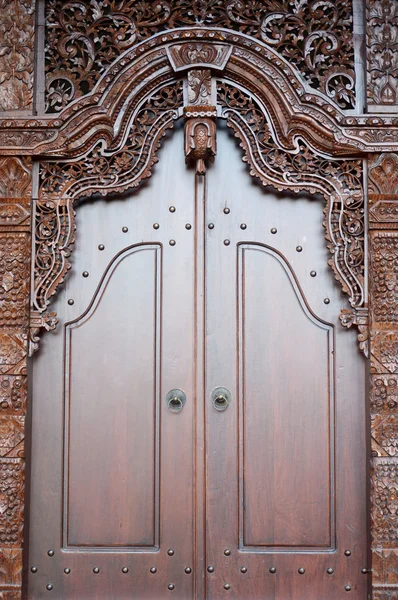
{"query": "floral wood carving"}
pixel 382 52
pixel 15 178
pixel 299 168
pixel 85 37
pixel 15 250
pixel 17 33
pixel 383 293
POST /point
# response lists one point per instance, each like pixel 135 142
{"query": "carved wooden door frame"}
pixel 293 138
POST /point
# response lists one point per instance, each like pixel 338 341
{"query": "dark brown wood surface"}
pixel 210 499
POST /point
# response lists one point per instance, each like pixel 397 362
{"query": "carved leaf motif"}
pixel 84 38
pixel 15 178
pixel 382 51
pixel 17 29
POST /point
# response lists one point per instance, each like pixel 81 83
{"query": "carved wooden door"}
pixel 112 468
pixel 285 509
pixel 197 414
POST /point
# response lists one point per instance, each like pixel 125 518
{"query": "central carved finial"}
pixel 200 114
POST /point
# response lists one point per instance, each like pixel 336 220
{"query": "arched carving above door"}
pixel 293 139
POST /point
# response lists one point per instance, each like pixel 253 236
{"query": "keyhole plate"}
pixel 221 398
pixel 176 400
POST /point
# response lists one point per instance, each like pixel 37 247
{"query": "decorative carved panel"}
pixel 84 38
pixel 15 250
pixel 382 52
pixel 383 278
pixel 17 35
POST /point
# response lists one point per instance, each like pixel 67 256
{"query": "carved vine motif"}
pixel 382 51
pixel 385 504
pixel 85 37
pixel 300 168
pixel 101 170
pixel 17 30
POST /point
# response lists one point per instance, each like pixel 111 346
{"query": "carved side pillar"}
pixel 15 250
pixel 383 297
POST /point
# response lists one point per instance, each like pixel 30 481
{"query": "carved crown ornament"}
pixel 296 104
pixel 107 142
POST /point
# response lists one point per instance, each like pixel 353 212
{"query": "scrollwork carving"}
pixel 382 52
pixel 84 38
pixel 17 32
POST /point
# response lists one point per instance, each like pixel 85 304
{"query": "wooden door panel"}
pixel 286 415
pixel 286 466
pixel 123 444
pixel 112 483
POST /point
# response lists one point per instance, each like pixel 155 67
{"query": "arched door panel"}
pixel 283 493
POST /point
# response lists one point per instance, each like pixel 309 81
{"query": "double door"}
pixel 198 418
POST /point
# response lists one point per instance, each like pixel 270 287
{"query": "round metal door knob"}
pixel 221 398
pixel 175 401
